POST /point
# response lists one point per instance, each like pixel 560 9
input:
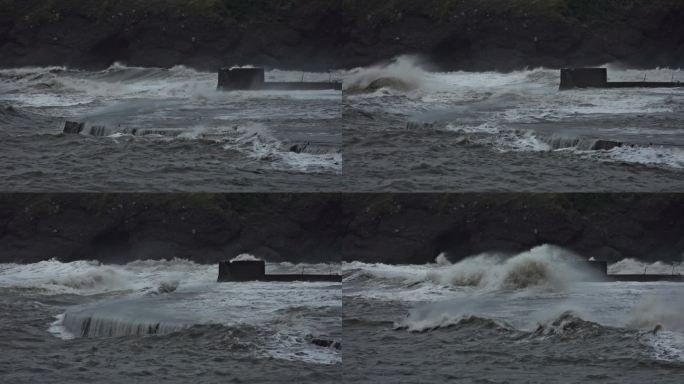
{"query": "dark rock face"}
pixel 203 228
pixel 85 34
pixel 315 35
pixel 326 227
pixel 417 228
pixel 326 343
pixel 606 145
pixel 475 35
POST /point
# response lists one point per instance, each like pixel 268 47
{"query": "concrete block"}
pixel 584 78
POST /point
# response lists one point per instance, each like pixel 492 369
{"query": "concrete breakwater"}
pixel 572 78
pixel 246 79
pixel 602 267
pixel 255 270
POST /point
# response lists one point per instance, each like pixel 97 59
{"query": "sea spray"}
pixel 664 312
pixel 404 73
pixel 635 267
pixel 545 267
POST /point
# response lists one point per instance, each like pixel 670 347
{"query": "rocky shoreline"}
pixel 472 35
pixel 203 34
pixel 402 229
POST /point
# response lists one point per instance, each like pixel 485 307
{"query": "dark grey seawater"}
pixel 410 130
pixel 149 321
pixel 488 321
pixel 164 130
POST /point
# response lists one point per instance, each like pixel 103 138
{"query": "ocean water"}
pixel 150 129
pixel 168 321
pixel 536 317
pixel 485 131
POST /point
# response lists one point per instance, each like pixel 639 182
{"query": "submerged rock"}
pixel 605 145
pixel 326 343
pixel 72 127
pixel 299 148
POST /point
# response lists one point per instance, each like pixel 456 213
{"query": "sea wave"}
pixel 544 267
pixel 90 277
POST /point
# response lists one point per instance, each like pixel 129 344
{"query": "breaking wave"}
pixel 445 321
pixel 60 86
pixel 544 267
pixel 254 140
pixel 143 276
pixel 523 111
pixel 404 73
pixel 567 325
pixel 93 277
pixel 98 325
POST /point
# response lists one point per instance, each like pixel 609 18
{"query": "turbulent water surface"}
pixel 165 321
pixel 537 317
pixel 412 130
pixel 152 129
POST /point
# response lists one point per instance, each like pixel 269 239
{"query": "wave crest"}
pixel 568 325
pixel 545 266
pixel 445 321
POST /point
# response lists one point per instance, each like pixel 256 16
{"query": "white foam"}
pixel 150 297
pixel 245 257
pixel 654 156
pixel 308 162
pixel 58 329
pixel 545 267
pixel 636 267
pixel 93 277
pixel 61 87
pixel 407 69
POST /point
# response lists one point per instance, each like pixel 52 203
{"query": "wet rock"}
pixel 299 148
pixel 73 128
pixel 326 343
pixel 605 145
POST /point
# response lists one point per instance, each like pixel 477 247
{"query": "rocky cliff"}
pixel 417 228
pixel 320 35
pixel 512 34
pixel 374 228
pixel 203 228
pixel 204 34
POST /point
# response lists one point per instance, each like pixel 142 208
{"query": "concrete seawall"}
pixel 647 278
pixel 245 79
pixel 255 270
pixel 602 268
pixel 578 78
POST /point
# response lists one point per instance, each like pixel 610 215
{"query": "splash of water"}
pixel 403 73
